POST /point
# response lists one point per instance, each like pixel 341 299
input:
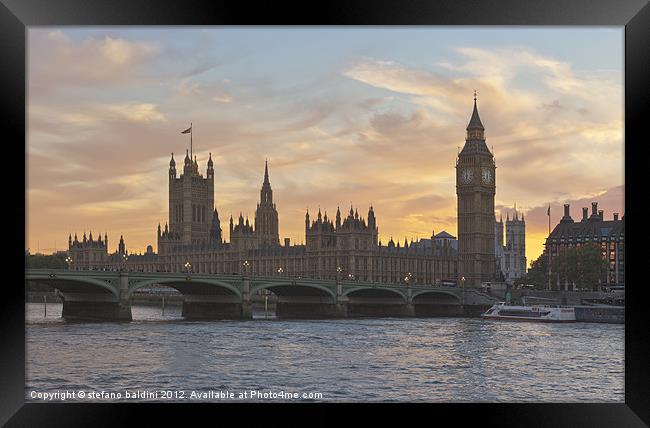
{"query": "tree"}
pixel 581 267
pixel 538 273
pixel 591 266
pixel 43 261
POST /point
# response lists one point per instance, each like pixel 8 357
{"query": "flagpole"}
pixel 191 154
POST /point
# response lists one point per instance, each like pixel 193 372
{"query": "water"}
pixel 426 359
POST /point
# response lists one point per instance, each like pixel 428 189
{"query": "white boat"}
pixel 540 313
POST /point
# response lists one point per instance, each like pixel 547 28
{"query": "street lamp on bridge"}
pixel 407 278
pixel 246 265
pixel 125 258
pixel 462 285
pixel 351 277
pixel 68 260
pixel 280 270
pixel 188 267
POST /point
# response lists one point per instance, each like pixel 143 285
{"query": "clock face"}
pixel 467 175
pixel 487 176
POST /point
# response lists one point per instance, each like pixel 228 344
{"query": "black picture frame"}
pixel 17 15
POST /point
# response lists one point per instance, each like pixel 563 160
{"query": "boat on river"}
pixel 540 313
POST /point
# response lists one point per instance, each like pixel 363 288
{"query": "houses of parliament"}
pixel 346 246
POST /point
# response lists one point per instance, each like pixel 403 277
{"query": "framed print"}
pixel 368 204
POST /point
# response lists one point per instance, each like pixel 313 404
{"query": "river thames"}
pixel 356 360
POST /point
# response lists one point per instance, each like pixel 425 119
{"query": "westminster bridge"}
pixel 106 295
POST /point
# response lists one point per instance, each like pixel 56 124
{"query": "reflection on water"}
pixel 425 359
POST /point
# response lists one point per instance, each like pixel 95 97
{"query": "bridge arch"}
pixel 191 286
pixel 294 288
pixel 76 284
pixel 369 291
pixel 435 296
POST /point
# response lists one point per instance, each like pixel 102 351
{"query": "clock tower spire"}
pixel 475 190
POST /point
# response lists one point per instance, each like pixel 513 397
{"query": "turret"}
pixel 338 217
pixel 172 168
pixel 372 223
pixel 159 231
pixel 210 172
pixel 121 249
pixel 187 168
pixel 215 229
pixel 307 220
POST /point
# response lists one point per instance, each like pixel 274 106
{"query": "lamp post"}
pixel 462 284
pixel 125 258
pixel 280 270
pixel 68 260
pixel 245 265
pixel 351 277
pixel 188 267
pixel 407 279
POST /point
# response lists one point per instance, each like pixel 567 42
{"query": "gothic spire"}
pixel 475 121
pixel 266 171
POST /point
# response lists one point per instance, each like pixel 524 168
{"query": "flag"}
pixel 187 131
pixel 548 213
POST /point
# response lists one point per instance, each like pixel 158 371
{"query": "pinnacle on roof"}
pixel 475 121
pixel 266 171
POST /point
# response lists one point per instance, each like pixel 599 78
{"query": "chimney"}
pixel 600 214
pixel 286 242
pixel 585 213
pixel 594 208
pixel 566 210
pixel 615 216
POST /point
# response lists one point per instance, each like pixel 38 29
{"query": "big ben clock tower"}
pixel 475 188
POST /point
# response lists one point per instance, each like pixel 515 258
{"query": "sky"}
pixel 344 115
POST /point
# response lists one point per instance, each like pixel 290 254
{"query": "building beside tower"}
pixel 609 235
pixel 475 189
pixel 511 256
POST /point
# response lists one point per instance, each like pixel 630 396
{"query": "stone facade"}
pixel 610 234
pixel 475 188
pixel 345 247
pixel 511 257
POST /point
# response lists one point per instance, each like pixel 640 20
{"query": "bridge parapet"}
pixel 215 295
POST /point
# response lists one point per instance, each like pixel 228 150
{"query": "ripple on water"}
pixel 440 360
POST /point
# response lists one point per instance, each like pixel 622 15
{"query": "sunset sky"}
pixel 362 115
